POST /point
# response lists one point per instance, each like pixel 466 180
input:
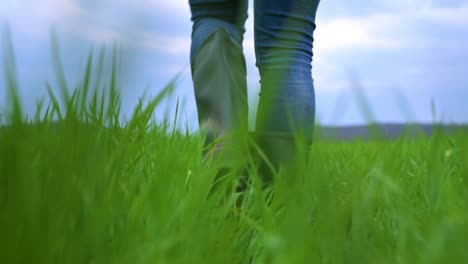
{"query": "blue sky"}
pixel 391 49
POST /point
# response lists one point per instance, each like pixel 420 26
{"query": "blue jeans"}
pixel 283 47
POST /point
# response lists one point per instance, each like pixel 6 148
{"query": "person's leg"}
pixel 283 45
pixel 218 64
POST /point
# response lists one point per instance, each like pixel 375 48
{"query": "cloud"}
pixel 181 6
pixel 419 45
pixel 349 33
pixel 335 8
pixel 420 50
pixel 384 29
pixel 147 5
pixel 454 16
pixel 154 25
pixel 170 45
pixel 33 19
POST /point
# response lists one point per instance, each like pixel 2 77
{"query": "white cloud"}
pixel 154 8
pixel 34 18
pixel 391 36
pixel 403 5
pixel 102 25
pixel 117 23
pixel 171 45
pixel 90 21
pixel 136 39
pixel 449 15
pixel 388 30
pixel 159 4
pixel 334 35
pixel 95 34
pixel 180 5
pixel 347 33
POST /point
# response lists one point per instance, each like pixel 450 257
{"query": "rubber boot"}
pixel 280 150
pixel 219 78
pixel 220 86
pixel 284 126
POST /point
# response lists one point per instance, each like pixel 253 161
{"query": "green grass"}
pixel 77 185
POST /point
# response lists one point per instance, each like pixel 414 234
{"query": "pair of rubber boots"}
pixel 219 77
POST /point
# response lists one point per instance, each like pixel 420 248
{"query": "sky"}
pixel 402 55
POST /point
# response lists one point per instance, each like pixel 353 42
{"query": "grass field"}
pixel 79 186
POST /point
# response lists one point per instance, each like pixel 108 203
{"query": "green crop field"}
pixel 78 185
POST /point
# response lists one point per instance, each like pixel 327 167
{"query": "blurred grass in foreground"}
pixel 77 186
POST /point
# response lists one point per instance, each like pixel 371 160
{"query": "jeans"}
pixel 283 33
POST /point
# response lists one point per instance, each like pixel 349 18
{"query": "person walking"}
pixel 283 31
